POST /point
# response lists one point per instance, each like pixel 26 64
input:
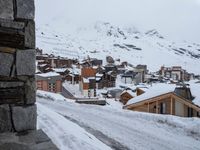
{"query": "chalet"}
pixel 96 62
pixel 110 67
pixel 88 82
pixel 126 95
pixel 74 75
pixel 100 81
pixel 44 68
pixel 128 76
pixel 176 73
pixel 142 67
pixel 114 93
pixel 121 67
pixel 60 62
pixel 141 72
pixel 62 71
pixel 100 69
pixel 165 100
pixel 56 61
pixel 110 79
pixel 51 82
pixel 105 79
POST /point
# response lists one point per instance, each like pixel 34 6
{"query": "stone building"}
pixel 18 114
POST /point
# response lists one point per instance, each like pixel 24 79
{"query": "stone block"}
pixel 25 9
pixel 25 62
pixel 12 95
pixel 30 91
pixel 12 34
pixel 6 9
pixel 6 62
pixel 5 119
pixel 4 23
pixel 11 84
pixel 11 92
pixel 19 35
pixel 30 35
pixel 24 118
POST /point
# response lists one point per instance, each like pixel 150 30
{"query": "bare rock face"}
pixel 6 9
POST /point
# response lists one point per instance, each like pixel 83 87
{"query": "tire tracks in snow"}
pixel 115 145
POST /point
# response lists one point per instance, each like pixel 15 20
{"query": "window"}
pixel 52 87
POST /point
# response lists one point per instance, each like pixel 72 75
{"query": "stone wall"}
pixel 17 78
pixel 17 66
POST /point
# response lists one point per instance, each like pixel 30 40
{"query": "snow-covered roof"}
pixel 86 80
pixel 195 90
pixel 49 74
pixel 153 92
pixel 95 67
pixel 42 65
pixel 98 78
pixel 99 75
pixel 75 71
pixel 60 69
pixel 129 92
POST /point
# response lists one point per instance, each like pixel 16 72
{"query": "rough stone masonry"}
pixel 17 77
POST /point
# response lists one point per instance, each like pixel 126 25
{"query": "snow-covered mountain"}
pixel 57 35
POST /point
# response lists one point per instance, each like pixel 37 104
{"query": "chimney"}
pixel 183 90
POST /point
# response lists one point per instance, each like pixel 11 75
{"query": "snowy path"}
pixel 65 134
pixel 134 130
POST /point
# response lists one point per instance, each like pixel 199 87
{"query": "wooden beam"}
pixel 157 107
pixel 171 106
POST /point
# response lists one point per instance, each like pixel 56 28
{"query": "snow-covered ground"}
pixel 74 126
pixel 73 88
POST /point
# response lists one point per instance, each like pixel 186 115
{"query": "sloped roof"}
pixel 129 92
pixel 153 92
pixel 49 74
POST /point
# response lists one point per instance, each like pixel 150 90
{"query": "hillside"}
pixel 127 44
pixel 142 33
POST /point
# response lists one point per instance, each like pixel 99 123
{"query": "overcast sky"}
pixel 176 19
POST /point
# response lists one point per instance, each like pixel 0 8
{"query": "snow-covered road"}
pixel 137 131
pixel 66 134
